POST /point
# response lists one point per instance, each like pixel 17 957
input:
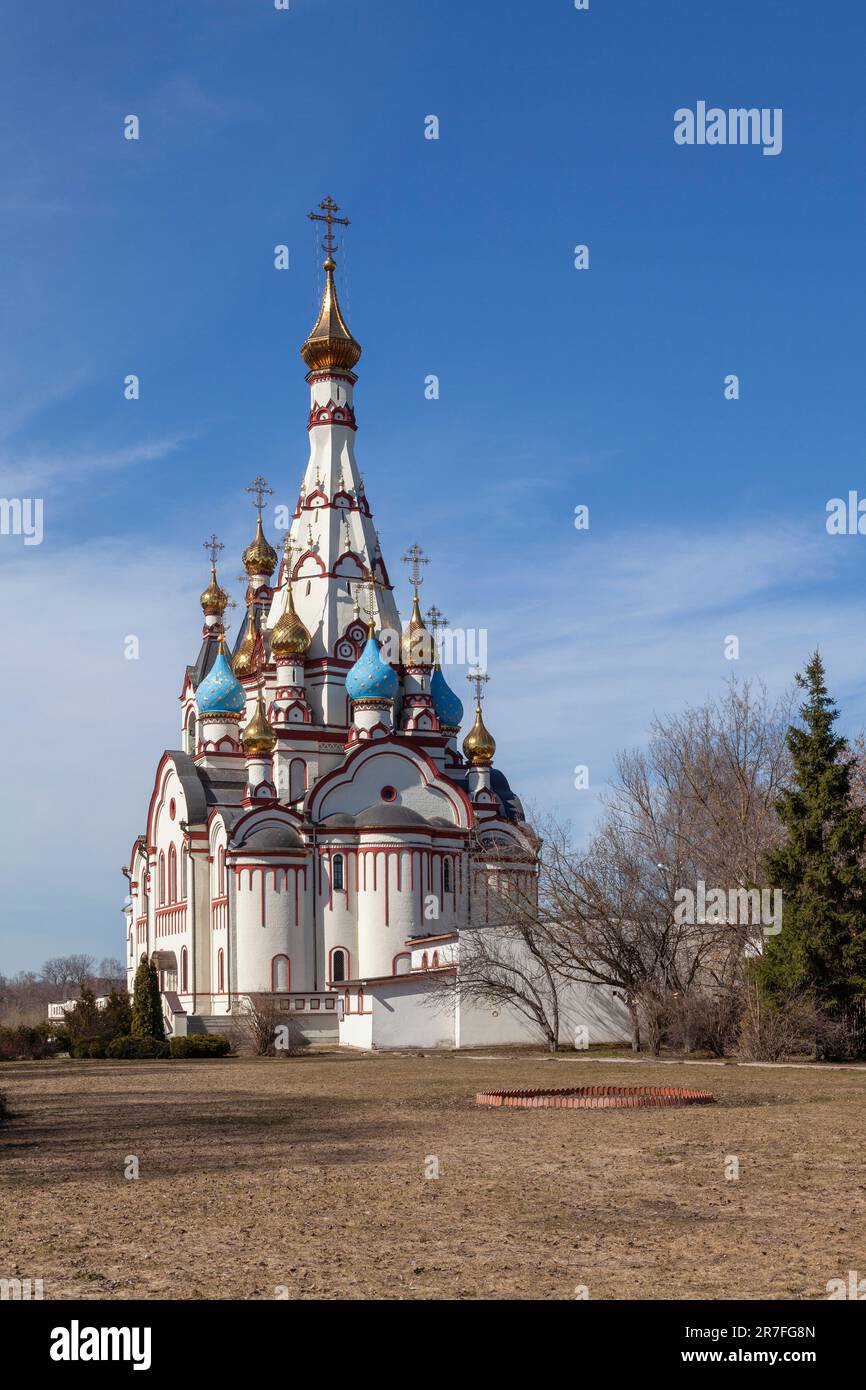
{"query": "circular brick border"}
pixel 596 1098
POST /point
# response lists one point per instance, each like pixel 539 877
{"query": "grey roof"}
pixel 271 835
pixel 390 813
pixel 203 662
pixel 190 780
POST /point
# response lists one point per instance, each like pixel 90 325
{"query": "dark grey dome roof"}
pixel 273 836
pixel 389 814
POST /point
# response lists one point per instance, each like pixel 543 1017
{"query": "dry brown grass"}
pixel 309 1173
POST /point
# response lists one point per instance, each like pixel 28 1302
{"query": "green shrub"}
pixel 23 1043
pixel 131 1048
pixel 200 1045
pixel 147 1021
pixel 86 1022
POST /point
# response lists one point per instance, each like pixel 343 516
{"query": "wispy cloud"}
pixel 23 472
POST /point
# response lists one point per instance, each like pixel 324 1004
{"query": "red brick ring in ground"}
pixel 597 1098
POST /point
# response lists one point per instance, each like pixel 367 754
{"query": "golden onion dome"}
pixel 214 600
pixel 479 744
pixel 245 657
pixel 259 558
pixel 289 636
pixel 258 737
pixel 330 344
pixel 418 648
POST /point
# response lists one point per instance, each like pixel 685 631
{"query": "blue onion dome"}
pixel 221 692
pixel 371 678
pixel 447 705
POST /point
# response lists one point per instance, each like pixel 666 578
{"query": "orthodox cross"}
pixel 329 207
pixel 479 679
pixel 415 557
pixel 369 587
pixel 436 621
pixel 214 546
pixel 261 489
pixel 290 554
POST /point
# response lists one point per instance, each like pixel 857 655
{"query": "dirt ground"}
pixel 309 1175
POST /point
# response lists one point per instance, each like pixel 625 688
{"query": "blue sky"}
pixel 558 387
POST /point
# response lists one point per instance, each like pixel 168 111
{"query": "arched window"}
pixel 172 874
pixel 297 779
pixel 435 960
pixel 161 879
pixel 184 971
pixel 360 1001
pixel 402 963
pixel 280 973
pixel 221 871
pixel 221 970
pixel 446 876
pixel 190 733
pixel 339 965
pixel 337 874
pixel 347 1002
pixel 184 856
pixel 425 964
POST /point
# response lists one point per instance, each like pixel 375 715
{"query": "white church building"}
pixel 322 835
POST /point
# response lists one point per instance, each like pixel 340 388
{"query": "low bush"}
pixel 130 1048
pixel 200 1045
pixel 28 1044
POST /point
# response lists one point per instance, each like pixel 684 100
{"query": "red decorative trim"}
pixel 332 414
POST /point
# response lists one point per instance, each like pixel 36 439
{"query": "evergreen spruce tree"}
pixel 146 1003
pixel 821 948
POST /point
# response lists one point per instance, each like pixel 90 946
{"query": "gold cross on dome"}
pixel 479 679
pixel 329 207
pixel 213 546
pixel 415 557
pixel 290 554
pixel 369 588
pixel 436 621
pixel 260 488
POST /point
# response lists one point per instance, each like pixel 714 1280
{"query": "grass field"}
pixel 309 1173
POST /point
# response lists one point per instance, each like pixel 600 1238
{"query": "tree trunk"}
pixel 635 1027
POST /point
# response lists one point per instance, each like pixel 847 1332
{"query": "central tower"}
pixel 333 548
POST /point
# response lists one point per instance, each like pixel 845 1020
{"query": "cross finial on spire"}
pixel 329 207
pixel 213 546
pixel 290 553
pixel 260 488
pixel 369 588
pixel 479 679
pixel 415 557
pixel 436 620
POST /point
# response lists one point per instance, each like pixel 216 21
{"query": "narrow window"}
pixel 338 873
pixel 446 875
pixel 339 966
